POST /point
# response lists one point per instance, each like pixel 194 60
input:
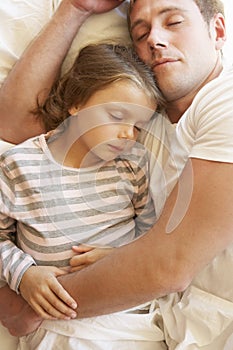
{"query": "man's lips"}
pixel 162 62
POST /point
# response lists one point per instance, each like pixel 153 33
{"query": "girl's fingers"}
pixel 82 248
pixel 48 312
pixel 78 260
pixel 63 296
pixel 77 268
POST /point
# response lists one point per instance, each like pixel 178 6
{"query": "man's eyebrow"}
pixel 163 11
pixel 136 23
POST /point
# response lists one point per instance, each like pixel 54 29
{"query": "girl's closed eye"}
pixel 116 116
pixel 137 128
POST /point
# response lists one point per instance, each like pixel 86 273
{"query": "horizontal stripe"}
pixel 55 207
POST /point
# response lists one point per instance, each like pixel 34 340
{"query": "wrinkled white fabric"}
pixel 22 20
pixel 20 23
pixel 108 332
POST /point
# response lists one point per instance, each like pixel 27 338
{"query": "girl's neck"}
pixel 70 152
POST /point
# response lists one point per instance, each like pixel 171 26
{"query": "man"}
pixel 189 250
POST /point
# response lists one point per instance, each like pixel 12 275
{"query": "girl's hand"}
pixel 87 255
pixel 41 289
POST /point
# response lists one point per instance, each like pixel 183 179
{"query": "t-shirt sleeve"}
pixel 13 261
pixel 207 129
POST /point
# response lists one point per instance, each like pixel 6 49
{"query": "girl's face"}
pixel 109 123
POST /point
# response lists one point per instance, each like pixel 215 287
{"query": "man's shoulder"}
pixel 216 92
pixel 225 77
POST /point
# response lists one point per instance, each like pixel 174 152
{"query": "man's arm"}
pixel 40 64
pixel 192 230
pixel 200 227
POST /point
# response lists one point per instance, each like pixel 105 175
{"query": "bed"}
pixel 21 21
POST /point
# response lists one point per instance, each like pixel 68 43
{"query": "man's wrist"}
pixel 81 12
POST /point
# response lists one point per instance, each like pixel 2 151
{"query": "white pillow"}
pixel 111 26
pixel 21 20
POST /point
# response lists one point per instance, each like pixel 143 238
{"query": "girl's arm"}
pixel 48 298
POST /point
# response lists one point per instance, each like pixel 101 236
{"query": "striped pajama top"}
pixel 46 208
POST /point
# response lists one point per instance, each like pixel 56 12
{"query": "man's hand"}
pixel 23 323
pixel 95 6
pixel 16 314
pixel 87 255
pixel 40 288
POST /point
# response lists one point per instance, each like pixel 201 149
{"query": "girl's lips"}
pixel 116 148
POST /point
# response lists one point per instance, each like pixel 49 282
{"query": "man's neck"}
pixel 175 109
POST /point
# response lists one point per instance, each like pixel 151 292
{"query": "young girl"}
pixel 72 195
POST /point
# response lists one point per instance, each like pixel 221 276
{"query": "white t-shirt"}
pixel 203 317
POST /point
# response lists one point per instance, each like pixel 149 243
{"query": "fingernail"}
pixel 74 306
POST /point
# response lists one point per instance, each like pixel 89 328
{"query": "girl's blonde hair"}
pixel 96 67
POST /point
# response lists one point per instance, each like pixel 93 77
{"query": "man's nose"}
pixel 157 39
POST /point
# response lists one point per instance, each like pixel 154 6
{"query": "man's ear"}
pixel 220 31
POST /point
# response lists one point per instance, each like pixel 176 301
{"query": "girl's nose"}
pixel 128 132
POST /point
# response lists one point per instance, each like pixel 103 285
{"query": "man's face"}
pixel 172 37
